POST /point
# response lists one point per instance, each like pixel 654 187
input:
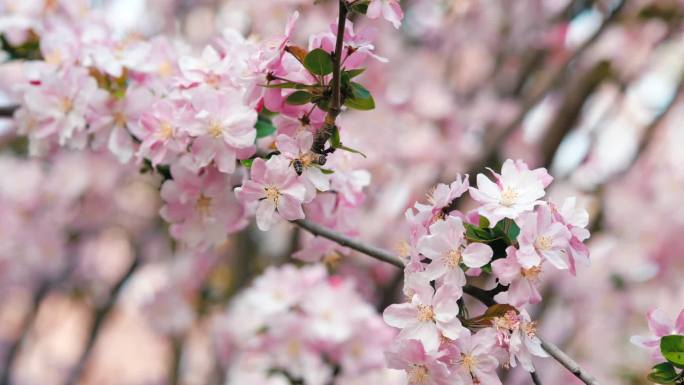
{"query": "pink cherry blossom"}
pixel 446 248
pixel 275 188
pixel 200 210
pixel 62 105
pixel 422 368
pixel 542 238
pixel 477 363
pixel 522 282
pixel 116 119
pixel 430 314
pixel 660 325
pixel 223 130
pixel 298 149
pixel 209 69
pixel 516 333
pixel 576 219
pixel 160 131
pixel 389 9
pixel 515 191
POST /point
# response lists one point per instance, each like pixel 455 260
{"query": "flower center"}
pixel 531 274
pixel 272 194
pixel 509 197
pixel 543 243
pixel 529 328
pixel 508 321
pixel 215 130
pixel 119 119
pixel 425 313
pixel 213 80
pixel 66 105
pixel 453 258
pixel 165 131
pixel 418 375
pixel 203 205
pixel 469 362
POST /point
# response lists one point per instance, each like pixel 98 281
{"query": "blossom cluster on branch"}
pixel 245 114
pixel 513 237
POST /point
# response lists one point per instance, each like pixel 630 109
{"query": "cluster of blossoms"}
pixel 299 325
pixel 512 236
pixel 243 116
pixel 665 344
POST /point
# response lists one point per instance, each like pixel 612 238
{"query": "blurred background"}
pixel 94 291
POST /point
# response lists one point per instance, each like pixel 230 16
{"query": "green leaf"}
pixel 345 148
pixel 326 171
pixel 672 348
pixel 318 62
pixel 354 73
pixel 299 97
pixel 264 128
pixel 484 222
pixel 507 228
pixel 663 373
pixel 247 162
pixel 282 85
pixel 360 8
pixel 361 98
pixel 335 141
pixel 476 234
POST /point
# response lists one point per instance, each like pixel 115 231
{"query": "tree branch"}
pixel 324 134
pixel 535 378
pixel 484 296
pixel 101 315
pixel 570 364
pixel 494 141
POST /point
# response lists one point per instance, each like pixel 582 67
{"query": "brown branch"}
pixel 498 137
pixel 326 132
pixel 569 112
pixel 38 296
pixel 101 315
pixel 484 296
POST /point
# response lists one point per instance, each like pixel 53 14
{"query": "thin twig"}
pixel 372 251
pixel 568 362
pixel 535 378
pixel 484 296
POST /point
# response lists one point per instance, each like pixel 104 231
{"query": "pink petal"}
pixel 659 323
pixel 477 255
pixel 400 315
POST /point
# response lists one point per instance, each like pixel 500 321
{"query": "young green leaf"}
pixel 663 373
pixel 299 97
pixel 355 72
pixel 672 348
pixel 345 148
pixel 264 128
pixel 318 62
pixel 247 162
pixel 335 141
pixel 361 98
